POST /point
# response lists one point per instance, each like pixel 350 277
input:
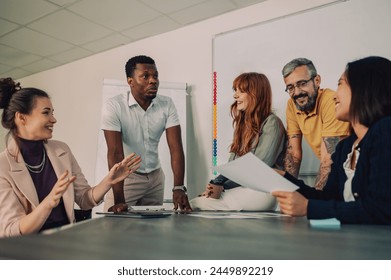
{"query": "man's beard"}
pixel 311 102
pixel 151 96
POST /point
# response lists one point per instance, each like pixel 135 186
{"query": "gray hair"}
pixel 292 65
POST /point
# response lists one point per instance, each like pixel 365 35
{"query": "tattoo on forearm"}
pixel 294 136
pixel 325 165
pixel 292 164
pixel 331 143
pixel 324 170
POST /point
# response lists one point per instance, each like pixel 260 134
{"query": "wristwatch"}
pixel 182 188
pixel 217 181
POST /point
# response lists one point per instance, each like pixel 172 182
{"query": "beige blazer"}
pixel 18 196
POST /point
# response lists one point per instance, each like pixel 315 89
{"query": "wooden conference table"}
pixel 188 237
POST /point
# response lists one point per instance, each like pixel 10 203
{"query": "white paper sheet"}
pixel 249 171
pixel 235 215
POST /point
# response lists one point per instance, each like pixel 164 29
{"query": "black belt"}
pixel 141 173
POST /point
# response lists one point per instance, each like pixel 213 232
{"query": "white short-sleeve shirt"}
pixel 141 130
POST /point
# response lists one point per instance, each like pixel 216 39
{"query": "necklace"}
pixel 37 168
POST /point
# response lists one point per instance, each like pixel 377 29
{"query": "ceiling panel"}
pixel 69 27
pixel 15 73
pixel 245 3
pixel 14 57
pixel 71 55
pixel 62 3
pixel 157 26
pixel 170 6
pixel 4 68
pixel 40 65
pixel 6 26
pixel 123 14
pixel 33 42
pixel 203 11
pixel 36 35
pixel 111 41
pixel 22 11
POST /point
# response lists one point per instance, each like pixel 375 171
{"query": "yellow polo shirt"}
pixel 319 123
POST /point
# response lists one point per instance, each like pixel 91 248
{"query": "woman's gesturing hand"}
pixel 124 168
pixel 54 197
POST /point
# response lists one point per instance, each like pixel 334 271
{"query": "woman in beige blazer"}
pixel 40 179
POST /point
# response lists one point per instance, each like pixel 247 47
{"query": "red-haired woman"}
pixel 257 130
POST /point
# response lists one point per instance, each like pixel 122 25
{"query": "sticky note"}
pixel 325 223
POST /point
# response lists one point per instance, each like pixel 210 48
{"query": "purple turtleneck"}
pixel 32 152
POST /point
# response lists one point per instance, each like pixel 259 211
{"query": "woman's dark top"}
pixel 44 179
pixel 371 184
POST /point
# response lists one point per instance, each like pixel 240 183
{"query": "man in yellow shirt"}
pixel 310 112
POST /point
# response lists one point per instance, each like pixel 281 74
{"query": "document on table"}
pixel 234 215
pixel 249 171
pixel 141 212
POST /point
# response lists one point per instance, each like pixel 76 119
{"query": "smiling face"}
pixel 242 100
pixel 144 83
pixel 38 125
pixel 342 99
pixel 305 89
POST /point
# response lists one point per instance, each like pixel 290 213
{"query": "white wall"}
pixel 184 55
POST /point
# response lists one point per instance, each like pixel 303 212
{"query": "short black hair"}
pixel 131 64
pixel 370 83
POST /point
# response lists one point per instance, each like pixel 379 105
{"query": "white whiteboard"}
pixel 330 36
pixel 177 92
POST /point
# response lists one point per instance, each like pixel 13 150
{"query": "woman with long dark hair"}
pixel 358 189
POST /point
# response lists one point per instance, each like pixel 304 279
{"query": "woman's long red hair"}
pixel 247 123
